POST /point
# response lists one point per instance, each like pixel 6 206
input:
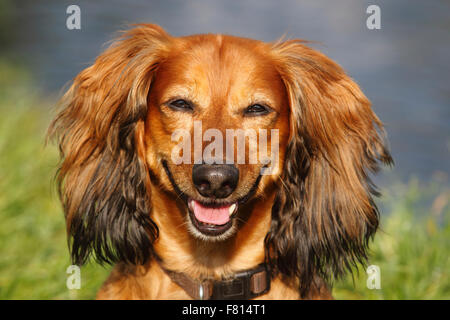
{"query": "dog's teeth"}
pixel 191 204
pixel 232 208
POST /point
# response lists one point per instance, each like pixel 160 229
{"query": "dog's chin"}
pixel 211 221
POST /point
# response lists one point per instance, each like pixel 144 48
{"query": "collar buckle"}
pixel 243 286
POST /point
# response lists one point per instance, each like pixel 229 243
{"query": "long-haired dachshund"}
pixel 212 227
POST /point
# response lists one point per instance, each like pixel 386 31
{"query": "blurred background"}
pixel 403 68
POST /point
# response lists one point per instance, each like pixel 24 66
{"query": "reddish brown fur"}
pixel 115 129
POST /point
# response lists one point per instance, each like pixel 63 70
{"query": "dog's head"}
pixel 212 100
pixel 216 123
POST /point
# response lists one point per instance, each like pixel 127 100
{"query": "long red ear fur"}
pixel 102 181
pixel 324 215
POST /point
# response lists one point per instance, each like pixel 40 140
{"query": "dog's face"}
pixel 223 85
pixel 147 125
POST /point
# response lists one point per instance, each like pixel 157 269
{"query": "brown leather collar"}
pixel 244 285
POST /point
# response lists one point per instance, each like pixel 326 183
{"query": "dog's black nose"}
pixel 215 180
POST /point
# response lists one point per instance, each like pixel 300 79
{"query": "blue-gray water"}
pixel 403 68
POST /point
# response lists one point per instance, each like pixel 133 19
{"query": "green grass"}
pixel 412 249
pixel 34 255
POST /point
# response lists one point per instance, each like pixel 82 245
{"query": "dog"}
pixel 213 227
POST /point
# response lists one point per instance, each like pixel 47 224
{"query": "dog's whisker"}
pixel 185 223
pixel 244 222
pixel 180 195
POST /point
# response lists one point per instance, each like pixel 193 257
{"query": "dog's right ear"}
pixel 325 213
pixel 103 179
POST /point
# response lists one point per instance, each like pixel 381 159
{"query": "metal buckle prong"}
pixel 201 291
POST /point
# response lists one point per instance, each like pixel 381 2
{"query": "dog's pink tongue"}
pixel 209 215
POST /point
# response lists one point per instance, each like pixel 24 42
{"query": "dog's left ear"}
pixel 324 214
pixel 103 178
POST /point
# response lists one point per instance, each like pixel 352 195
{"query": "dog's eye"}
pixel 181 104
pixel 256 110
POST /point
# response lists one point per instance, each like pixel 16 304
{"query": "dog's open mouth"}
pixel 211 219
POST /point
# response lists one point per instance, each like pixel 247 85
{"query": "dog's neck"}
pixel 180 251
